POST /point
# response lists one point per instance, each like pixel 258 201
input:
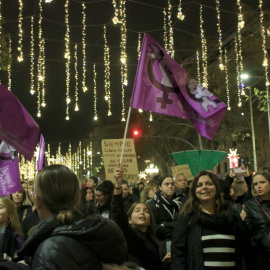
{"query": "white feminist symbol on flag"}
pixel 4 178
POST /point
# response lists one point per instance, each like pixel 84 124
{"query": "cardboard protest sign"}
pixel 182 169
pixel 111 149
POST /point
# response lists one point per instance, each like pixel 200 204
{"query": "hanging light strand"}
pixel 9 63
pixel 123 54
pixel 76 77
pixel 165 34
pixel 139 46
pixel 32 59
pixel 237 72
pixel 84 88
pixel 95 92
pixel 204 53
pixel 43 103
pixel 67 57
pixel 180 15
pixel 20 41
pixel 227 80
pixel 240 25
pixel 198 67
pixel 170 27
pixel 221 65
pixel 264 48
pixel 107 72
pixel 116 11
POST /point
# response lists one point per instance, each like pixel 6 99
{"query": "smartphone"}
pixel 239 170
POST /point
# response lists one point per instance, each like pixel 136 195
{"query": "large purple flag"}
pixel 9 170
pixel 17 127
pixel 42 160
pixel 163 86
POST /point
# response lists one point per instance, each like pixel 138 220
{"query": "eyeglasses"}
pixel 99 196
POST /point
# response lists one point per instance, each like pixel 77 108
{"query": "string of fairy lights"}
pixel 221 66
pixel 227 80
pixel 84 88
pixel 20 41
pixel 204 52
pixel 67 57
pixel 76 77
pixel 107 72
pixel 37 83
pixel 95 92
pixel 264 49
pixel 123 54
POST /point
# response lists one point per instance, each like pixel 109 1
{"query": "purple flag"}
pixel 17 127
pixel 42 160
pixel 163 86
pixel 9 170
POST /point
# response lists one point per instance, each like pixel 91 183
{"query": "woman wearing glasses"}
pixel 258 218
pixel 208 234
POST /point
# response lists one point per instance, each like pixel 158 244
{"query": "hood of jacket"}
pixel 97 233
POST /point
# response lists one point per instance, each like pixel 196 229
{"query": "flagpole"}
pixel 200 141
pixel 125 135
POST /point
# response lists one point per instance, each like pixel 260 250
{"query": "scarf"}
pixel 166 208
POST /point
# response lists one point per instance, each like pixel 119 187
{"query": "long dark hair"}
pixel 151 228
pixel 193 204
pixel 83 194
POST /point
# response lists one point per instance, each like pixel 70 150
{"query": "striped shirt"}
pixel 218 249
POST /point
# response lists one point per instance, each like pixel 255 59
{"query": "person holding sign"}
pixel 137 227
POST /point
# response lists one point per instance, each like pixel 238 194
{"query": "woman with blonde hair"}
pixel 11 236
pixel 65 238
pixel 148 192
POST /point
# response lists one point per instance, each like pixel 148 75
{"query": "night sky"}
pixel 144 16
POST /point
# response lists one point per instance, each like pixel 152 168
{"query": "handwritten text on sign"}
pixel 111 155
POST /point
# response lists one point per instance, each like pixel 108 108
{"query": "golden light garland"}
pixel 20 41
pixel 67 57
pixel 180 15
pixel 84 88
pixel 170 27
pixel 91 154
pixel 240 25
pixel 115 17
pixel 95 92
pixel 165 34
pixel 264 48
pixel 204 53
pixel 9 63
pixel 221 65
pixel 84 159
pixel 123 54
pixel 198 67
pixel 139 46
pixel 76 76
pixel 107 72
pixel 227 80
pixel 32 59
pixel 43 103
pixel 150 117
pixel 237 72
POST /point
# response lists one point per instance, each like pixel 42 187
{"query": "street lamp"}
pixel 246 76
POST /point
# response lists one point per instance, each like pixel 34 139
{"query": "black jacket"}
pixel 165 213
pixel 141 249
pixel 82 245
pixel 259 225
pixel 187 253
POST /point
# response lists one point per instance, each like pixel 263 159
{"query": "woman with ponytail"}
pixel 65 238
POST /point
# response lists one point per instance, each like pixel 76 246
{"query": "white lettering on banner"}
pixel 4 178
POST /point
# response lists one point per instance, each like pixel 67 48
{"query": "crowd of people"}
pixel 167 223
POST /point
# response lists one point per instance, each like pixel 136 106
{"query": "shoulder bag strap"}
pixel 262 208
